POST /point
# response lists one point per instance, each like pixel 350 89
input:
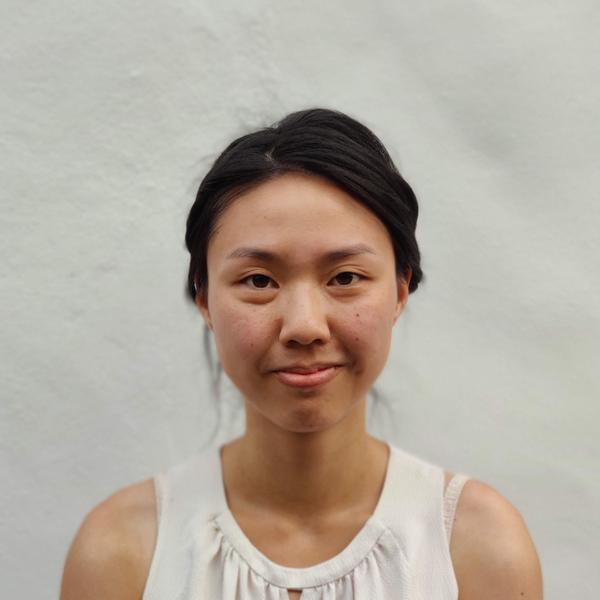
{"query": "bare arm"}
pixel 111 553
pixel 493 554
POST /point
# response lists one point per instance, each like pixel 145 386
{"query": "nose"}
pixel 303 316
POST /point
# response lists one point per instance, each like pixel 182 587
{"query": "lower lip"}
pixel 307 379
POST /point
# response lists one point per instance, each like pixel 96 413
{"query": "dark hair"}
pixel 317 141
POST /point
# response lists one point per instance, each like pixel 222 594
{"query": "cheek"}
pixel 238 336
pixel 368 329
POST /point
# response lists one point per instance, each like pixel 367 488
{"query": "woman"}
pixel 303 254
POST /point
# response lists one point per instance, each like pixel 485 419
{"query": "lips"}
pixel 297 368
pixel 298 377
pixel 305 371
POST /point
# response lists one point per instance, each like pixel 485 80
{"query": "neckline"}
pixel 318 574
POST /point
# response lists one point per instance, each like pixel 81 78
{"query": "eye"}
pixel 345 274
pixel 258 279
pixel 257 276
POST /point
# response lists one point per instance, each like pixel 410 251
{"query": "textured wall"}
pixel 110 113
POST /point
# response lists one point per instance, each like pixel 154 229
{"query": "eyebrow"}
pixel 332 256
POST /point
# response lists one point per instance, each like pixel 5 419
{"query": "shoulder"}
pixel 492 552
pixel 111 553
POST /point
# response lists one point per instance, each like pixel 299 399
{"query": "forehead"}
pixel 297 211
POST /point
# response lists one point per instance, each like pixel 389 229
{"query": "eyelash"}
pixel 265 288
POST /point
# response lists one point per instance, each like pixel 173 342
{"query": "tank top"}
pixel 401 553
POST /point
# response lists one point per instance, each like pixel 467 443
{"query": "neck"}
pixel 305 475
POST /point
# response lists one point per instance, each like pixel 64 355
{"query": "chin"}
pixel 311 415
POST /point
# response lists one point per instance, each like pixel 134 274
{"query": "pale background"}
pixel 110 115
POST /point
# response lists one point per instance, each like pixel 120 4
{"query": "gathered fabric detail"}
pixel 238 579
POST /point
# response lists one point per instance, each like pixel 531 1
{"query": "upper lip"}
pixel 299 368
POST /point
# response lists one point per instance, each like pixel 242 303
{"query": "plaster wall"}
pixel 110 114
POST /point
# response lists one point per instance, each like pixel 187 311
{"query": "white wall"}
pixel 110 113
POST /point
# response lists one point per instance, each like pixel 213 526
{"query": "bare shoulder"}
pixel 492 551
pixel 111 553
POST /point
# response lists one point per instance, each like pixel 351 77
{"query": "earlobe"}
pixel 402 285
pixel 399 309
pixel 202 304
pixel 204 310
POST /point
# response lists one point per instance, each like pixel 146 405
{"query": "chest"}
pixel 301 546
pixel 297 546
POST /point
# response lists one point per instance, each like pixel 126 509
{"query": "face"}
pixel 277 300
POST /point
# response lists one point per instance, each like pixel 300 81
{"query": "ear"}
pixel 402 285
pixel 202 303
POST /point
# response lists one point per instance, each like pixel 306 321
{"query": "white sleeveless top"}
pixel 401 553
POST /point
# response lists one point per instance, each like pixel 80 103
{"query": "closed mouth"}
pixel 308 370
pixel 308 379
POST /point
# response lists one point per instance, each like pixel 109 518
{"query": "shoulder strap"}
pixel 187 496
pixel 160 494
pixel 451 496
